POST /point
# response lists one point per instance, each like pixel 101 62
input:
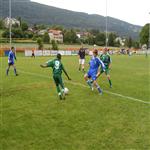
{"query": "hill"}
pixel 35 13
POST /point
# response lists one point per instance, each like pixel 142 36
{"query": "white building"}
pixel 13 21
pixel 121 41
pixel 42 32
pixel 56 35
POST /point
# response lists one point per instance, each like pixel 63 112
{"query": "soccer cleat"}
pixel 60 96
pixel 110 86
pixel 100 91
pixel 89 83
pixel 17 74
pixel 92 87
pixel 63 94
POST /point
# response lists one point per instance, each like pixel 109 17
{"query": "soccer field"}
pixel 33 118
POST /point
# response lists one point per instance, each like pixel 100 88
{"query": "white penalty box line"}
pixel 82 85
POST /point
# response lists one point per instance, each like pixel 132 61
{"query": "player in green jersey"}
pixel 105 57
pixel 57 67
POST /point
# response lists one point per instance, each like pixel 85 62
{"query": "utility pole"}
pixel 10 24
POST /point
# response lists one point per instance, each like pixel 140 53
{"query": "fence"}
pixel 28 53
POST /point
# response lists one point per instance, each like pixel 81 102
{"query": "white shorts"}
pixel 81 61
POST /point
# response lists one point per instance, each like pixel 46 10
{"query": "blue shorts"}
pixel 92 75
pixel 11 63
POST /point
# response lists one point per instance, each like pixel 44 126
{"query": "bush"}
pixel 54 45
pixel 40 43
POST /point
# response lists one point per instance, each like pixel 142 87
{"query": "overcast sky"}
pixel 132 11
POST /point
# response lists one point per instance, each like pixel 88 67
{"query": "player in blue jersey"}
pixel 11 61
pixel 93 72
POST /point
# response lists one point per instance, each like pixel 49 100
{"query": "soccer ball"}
pixel 66 90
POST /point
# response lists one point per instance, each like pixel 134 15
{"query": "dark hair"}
pixel 59 56
pixel 12 47
pixel 95 51
pixel 106 49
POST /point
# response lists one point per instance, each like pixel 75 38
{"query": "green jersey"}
pixel 56 65
pixel 106 59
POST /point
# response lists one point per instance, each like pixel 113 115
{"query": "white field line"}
pixel 82 85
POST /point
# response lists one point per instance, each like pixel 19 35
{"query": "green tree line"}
pixel 70 37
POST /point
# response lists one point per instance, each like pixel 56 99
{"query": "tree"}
pixel 24 26
pixel 5 34
pixel 57 27
pixel 46 38
pixel 40 43
pixel 95 32
pixel 90 40
pixel 129 42
pixel 28 34
pixel 20 20
pixel 2 24
pixel 144 35
pixel 100 39
pixel 54 45
pixel 117 43
pixel 41 26
pixel 136 44
pixel 111 39
pixel 35 27
pixel 70 36
pixel 15 25
pixel 16 33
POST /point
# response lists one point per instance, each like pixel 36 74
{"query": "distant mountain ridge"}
pixel 35 13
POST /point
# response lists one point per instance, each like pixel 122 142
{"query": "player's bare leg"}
pixel 108 77
pixel 79 67
pixel 83 68
pixel 88 81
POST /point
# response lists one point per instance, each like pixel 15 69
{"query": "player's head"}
pixel 59 56
pixel 105 50
pixel 12 48
pixel 95 52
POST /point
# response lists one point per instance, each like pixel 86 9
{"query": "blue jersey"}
pixel 11 57
pixel 94 63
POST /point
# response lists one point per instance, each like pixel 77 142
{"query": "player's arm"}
pixel 101 56
pixel 98 73
pixel 9 56
pixel 65 73
pixel 44 65
pixel 102 65
pixel 15 57
pixel 79 54
pixel 109 66
pixel 87 65
pixel 47 64
pixel 110 61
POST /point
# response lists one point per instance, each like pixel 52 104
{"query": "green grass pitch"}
pixel 33 118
